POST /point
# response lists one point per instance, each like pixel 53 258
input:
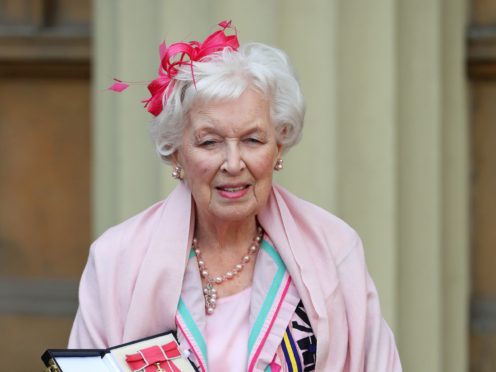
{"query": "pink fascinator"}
pixel 181 54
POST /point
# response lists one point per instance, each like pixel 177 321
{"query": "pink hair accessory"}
pixel 177 55
pixel 118 86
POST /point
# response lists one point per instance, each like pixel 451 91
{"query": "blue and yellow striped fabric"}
pixel 291 354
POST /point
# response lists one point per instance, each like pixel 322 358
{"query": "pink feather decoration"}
pixel 118 86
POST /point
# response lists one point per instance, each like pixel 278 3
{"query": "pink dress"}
pixel 227 333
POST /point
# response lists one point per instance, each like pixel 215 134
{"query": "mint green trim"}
pixel 195 332
pixel 268 369
pixel 267 247
pixel 271 295
pixel 191 253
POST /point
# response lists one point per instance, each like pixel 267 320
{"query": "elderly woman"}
pixel 251 277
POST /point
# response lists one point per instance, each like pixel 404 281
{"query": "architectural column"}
pixel 125 169
pixel 366 137
pixel 308 34
pixel 419 184
pixel 455 188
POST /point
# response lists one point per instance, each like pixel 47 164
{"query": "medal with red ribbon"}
pixel 155 359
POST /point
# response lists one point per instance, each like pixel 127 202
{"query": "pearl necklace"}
pixel 209 291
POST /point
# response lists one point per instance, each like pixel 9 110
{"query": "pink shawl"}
pixel 132 282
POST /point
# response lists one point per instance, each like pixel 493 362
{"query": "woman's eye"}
pixel 253 140
pixel 207 143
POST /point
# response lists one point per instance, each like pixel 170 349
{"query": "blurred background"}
pixel 400 141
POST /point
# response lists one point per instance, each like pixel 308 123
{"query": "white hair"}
pixel 226 75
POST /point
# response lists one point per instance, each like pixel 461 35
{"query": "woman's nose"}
pixel 233 162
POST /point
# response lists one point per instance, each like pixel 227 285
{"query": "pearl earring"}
pixel 177 173
pixel 279 165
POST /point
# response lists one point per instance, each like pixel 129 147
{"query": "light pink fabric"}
pixel 227 333
pixel 132 282
pixel 272 307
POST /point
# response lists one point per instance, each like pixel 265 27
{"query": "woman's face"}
pixel 228 153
